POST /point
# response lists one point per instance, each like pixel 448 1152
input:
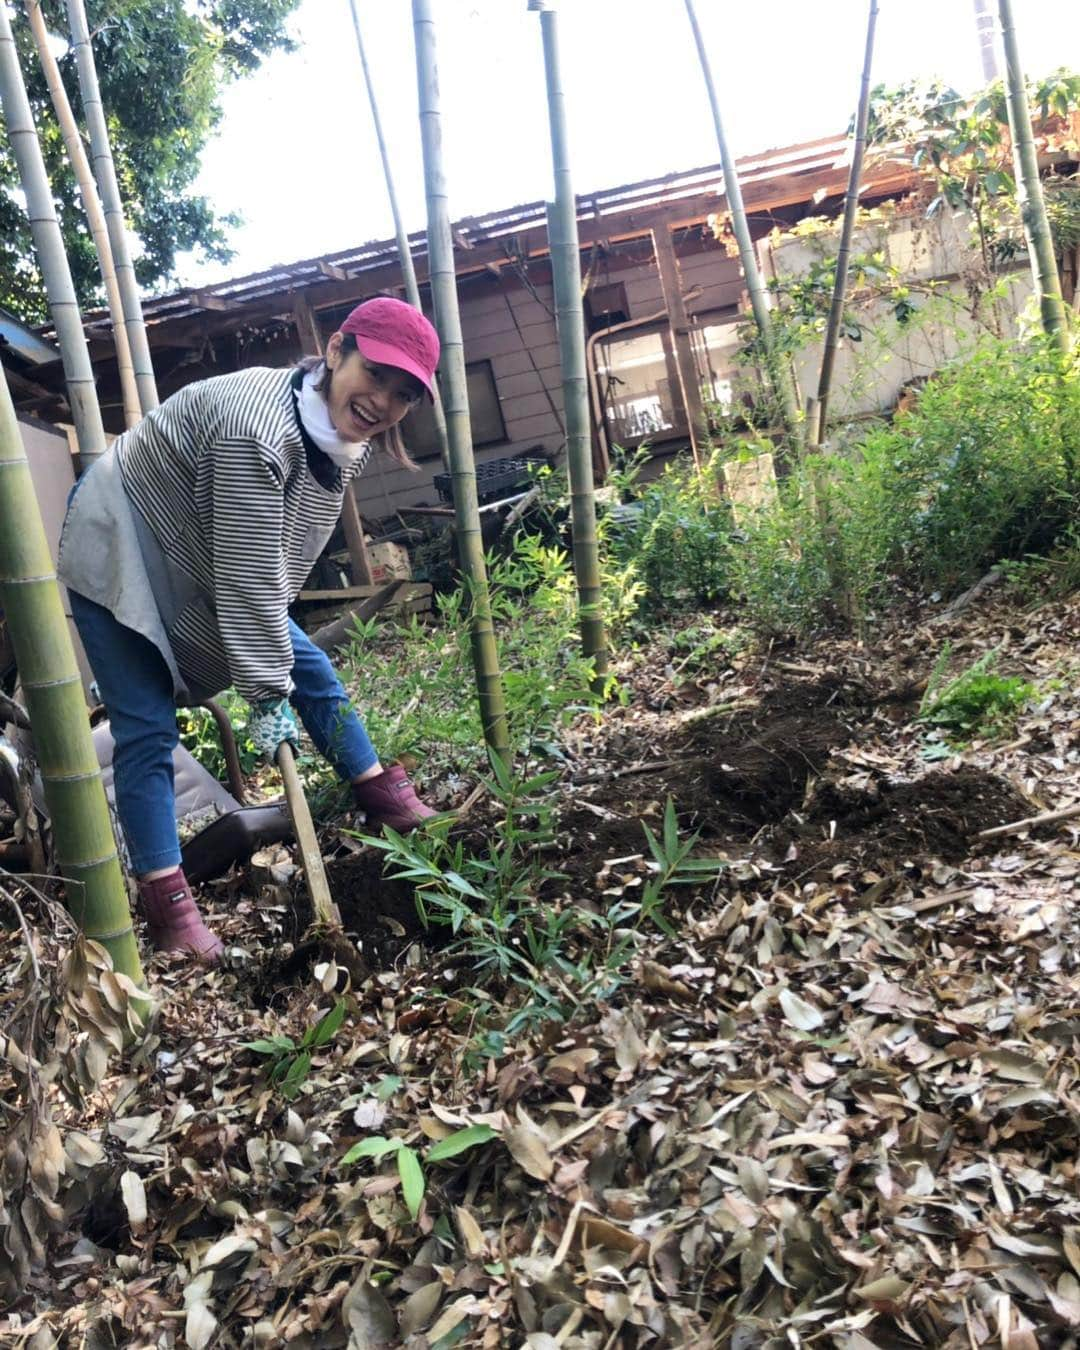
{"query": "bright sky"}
pixel 297 158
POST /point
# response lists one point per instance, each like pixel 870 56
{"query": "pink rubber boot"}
pixel 390 799
pixel 174 919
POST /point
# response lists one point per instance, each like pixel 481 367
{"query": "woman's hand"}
pixel 272 721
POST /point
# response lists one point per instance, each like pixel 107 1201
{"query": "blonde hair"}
pixel 391 442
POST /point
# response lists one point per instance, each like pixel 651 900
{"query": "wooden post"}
pixel 679 326
pixel 847 230
pixel 455 389
pixel 307 327
pixel 354 538
pixel 780 375
pixel 1029 193
pixel 570 323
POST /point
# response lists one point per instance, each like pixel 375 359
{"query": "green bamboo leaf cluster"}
pixel 410 1168
pixel 290 1062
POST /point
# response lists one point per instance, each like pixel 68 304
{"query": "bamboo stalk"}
pixel 30 596
pixel 109 188
pixel 91 205
pixel 566 277
pixel 408 269
pixel 779 377
pixel 984 27
pixel 459 434
pixel 49 247
pixel 1029 189
pixel 843 255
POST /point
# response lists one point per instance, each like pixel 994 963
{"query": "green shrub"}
pixel 982 469
pixel 676 532
pixel 976 702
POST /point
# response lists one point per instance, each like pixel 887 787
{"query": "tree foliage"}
pixel 162 65
pixel 960 144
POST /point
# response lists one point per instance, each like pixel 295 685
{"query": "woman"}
pixel 184 547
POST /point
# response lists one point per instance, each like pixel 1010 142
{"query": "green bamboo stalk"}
pixel 49 247
pixel 408 269
pixel 95 217
pixel 109 188
pixel 459 433
pixel 843 255
pixel 566 277
pixel 1029 189
pixel 74 794
pixel 780 377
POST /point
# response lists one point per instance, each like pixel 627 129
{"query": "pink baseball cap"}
pixel 393 333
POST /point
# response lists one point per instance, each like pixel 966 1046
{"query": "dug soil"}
pixel 760 782
pixel 763 782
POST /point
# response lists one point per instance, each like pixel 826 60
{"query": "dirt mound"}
pixel 728 775
pixel 889 825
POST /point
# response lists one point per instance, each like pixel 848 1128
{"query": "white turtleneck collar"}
pixel 315 416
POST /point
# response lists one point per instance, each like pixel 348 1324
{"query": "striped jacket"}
pixel 232 504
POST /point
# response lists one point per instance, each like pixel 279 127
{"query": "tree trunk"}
pixel 30 596
pixel 109 188
pixel 459 433
pixel 780 376
pixel 1029 189
pixel 843 255
pixel 49 247
pixel 91 205
pixel 408 271
pixel 566 275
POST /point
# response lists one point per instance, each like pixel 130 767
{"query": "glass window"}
pixel 485 415
pixel 635 387
pixel 716 346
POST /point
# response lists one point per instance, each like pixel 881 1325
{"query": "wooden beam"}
pixel 334 272
pixel 679 327
pixel 205 300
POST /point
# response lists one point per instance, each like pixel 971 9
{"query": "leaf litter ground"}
pixel 840 1108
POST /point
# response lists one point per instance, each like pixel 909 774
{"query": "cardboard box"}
pixel 389 562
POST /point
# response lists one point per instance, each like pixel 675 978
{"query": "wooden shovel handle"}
pixel 327 914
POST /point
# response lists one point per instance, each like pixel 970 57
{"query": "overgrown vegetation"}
pixel 981 469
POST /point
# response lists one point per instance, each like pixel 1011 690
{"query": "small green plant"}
pixel 673 864
pixel 977 702
pixel 289 1063
pixel 534 960
pixel 420 704
pixel 199 736
pixel 410 1169
pixel 1055 576
pixel 487 902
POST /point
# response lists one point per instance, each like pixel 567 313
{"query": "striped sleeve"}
pixel 249 566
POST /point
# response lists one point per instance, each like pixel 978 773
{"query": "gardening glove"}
pixel 271 722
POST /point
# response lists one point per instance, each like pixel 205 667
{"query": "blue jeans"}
pixel 137 690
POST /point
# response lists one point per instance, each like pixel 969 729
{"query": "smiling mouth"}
pixel 362 417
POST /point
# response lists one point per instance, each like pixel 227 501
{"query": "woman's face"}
pixel 364 398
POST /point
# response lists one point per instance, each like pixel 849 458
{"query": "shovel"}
pixel 328 935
